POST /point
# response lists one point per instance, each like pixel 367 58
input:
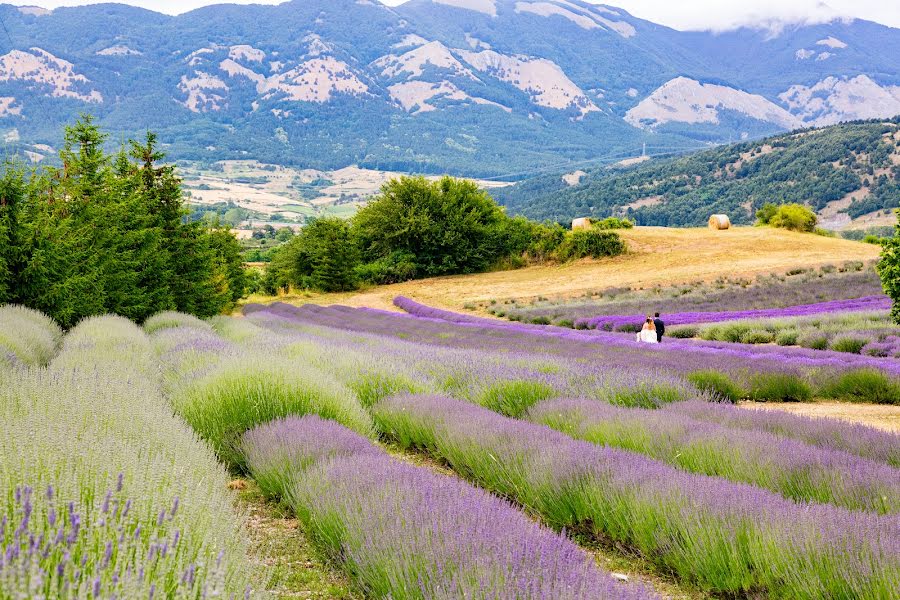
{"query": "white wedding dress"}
pixel 647 336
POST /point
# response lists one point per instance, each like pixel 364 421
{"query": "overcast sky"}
pixel 680 14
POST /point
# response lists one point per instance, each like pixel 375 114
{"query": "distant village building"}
pixel 581 223
pixel 719 222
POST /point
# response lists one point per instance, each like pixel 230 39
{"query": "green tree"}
pixel 12 194
pixel 449 226
pixel 765 213
pixel 108 234
pixel 795 217
pixel 889 270
pixel 323 256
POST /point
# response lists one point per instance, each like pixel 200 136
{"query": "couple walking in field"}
pixel 652 331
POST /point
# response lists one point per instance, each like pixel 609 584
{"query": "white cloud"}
pixel 717 15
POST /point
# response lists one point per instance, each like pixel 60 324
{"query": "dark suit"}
pixel 660 328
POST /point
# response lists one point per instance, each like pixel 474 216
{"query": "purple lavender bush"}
pixel 279 451
pixel 405 532
pixel 786 466
pixel 854 438
pixel 53 547
pixel 868 303
pixel 725 537
pixel 104 492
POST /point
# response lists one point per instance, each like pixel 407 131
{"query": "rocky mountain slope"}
pixel 848 173
pixel 477 87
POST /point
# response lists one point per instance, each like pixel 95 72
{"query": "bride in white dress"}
pixel 647 334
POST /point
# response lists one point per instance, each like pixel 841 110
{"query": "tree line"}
pixel 418 228
pixel 108 233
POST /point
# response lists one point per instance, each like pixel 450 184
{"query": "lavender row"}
pixel 791 468
pixel 223 389
pixel 618 322
pixel 725 537
pixel 27 337
pixel 801 358
pixel 376 364
pixel 511 381
pixel 831 434
pixel 103 491
pixel 770 291
pixel 615 351
pixel 405 532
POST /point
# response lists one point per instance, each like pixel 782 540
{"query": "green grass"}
pixel 716 383
pixel 779 387
pixel 294 567
pixel 864 385
pixel 246 391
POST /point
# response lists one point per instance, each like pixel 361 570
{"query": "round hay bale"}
pixel 581 223
pixel 719 222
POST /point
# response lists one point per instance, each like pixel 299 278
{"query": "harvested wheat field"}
pixel 657 256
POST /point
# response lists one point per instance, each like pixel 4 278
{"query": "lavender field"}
pixel 431 454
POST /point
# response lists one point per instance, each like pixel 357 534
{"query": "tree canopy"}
pixel 107 234
pixel 889 270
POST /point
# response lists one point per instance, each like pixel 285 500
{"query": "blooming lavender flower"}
pixel 789 467
pixel 402 528
pixel 685 522
pixel 615 322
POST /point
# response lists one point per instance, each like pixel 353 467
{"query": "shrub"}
pixel 542 320
pixel 716 383
pixel 169 319
pixel 788 337
pixel 794 217
pixel 779 387
pixel 684 332
pixel 863 385
pixel 848 343
pixel 879 349
pixel 565 323
pixel 590 243
pixel 733 332
pixel 28 336
pixel 765 213
pixel 814 341
pixel 239 395
pixel 513 398
pixel 394 268
pixel 613 223
pixel 757 336
pixel 889 270
pixel 646 395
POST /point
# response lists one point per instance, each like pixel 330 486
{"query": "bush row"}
pixel 405 532
pixel 103 491
pixel 725 537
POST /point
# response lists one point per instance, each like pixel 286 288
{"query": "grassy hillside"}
pixel 657 256
pixel 850 174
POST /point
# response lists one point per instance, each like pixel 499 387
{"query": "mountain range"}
pixel 487 88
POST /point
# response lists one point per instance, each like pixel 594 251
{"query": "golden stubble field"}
pixel 657 256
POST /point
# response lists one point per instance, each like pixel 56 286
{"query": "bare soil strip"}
pixel 880 416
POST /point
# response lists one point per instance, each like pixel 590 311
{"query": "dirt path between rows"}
pixel 880 416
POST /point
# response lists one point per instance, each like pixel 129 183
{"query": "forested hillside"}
pixel 844 172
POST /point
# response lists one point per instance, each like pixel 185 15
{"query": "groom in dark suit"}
pixel 660 327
